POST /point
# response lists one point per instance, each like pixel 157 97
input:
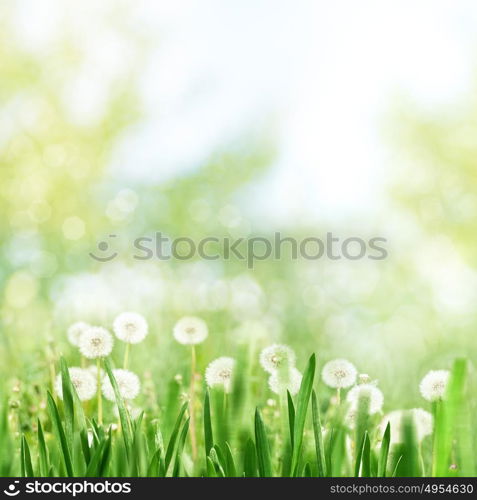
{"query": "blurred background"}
pixel 199 118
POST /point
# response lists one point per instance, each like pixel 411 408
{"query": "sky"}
pixel 321 76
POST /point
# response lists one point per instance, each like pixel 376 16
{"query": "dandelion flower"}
pixel 75 331
pixel 96 342
pixel 82 380
pixel 422 419
pixel 190 330
pixel 280 383
pixel 339 374
pixel 130 327
pixel 433 385
pixel 128 384
pixel 424 422
pixel 277 357
pixel 219 372
pixel 370 391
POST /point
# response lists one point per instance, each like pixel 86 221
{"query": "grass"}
pixel 305 436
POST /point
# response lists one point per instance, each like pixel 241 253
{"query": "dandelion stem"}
pixel 338 396
pixel 126 357
pixel 100 397
pixel 193 436
pixel 421 459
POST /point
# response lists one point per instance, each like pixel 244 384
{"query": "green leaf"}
pixel 301 411
pixel 172 440
pixel 229 462
pixel 217 459
pixel 263 449
pixel 60 434
pixel 396 467
pixel 208 433
pixel 180 448
pixel 366 456
pixel 210 468
pixel 42 452
pixel 123 413
pixel 384 452
pixel 319 446
pixel 250 459
pixel 27 468
pixel 291 417
pixel 68 401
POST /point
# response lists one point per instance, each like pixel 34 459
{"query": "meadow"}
pixel 98 419
pixel 190 367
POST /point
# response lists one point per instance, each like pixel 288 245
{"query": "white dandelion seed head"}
pixel 422 419
pixel 277 357
pixel 82 381
pixel 130 327
pixel 190 330
pixel 96 342
pixel 75 331
pixel 128 384
pixel 339 374
pixel 424 422
pixel 375 396
pixel 280 382
pixel 220 373
pixel 364 378
pixel 433 385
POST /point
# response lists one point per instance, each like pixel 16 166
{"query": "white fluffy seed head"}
pixel 339 374
pixel 433 385
pixel 128 384
pixel 130 327
pixel 82 380
pixel 422 419
pixel 220 373
pixel 96 342
pixel 280 381
pixel 75 331
pixel 190 330
pixel 277 357
pixel 370 391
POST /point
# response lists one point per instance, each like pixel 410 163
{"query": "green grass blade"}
pixel 301 411
pixel 173 439
pixel 366 456
pixel 319 446
pixel 60 434
pixel 384 452
pixel 123 413
pixel 250 460
pixel 208 433
pixel 263 448
pixel 291 417
pixel 396 467
pixel 42 452
pixel 180 448
pixel 68 402
pixel 210 468
pixel 230 468
pixel 26 466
